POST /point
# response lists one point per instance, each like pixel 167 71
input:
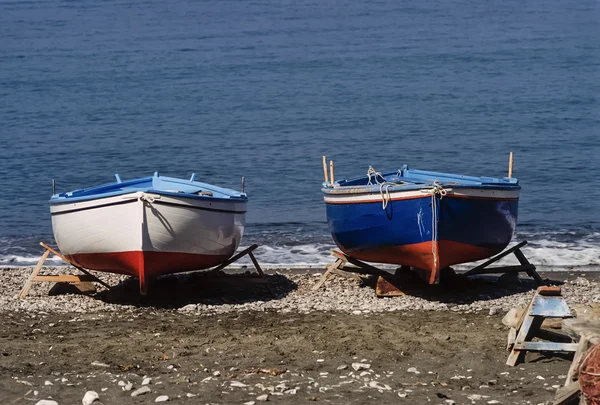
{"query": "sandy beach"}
pixel 201 340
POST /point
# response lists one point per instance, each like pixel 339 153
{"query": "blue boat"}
pixel 422 219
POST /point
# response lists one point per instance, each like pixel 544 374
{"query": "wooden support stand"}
pixel 524 265
pixel 261 279
pixel 385 287
pixel 547 302
pixel 68 278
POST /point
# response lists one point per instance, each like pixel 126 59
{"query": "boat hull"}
pixel 147 234
pixel 427 231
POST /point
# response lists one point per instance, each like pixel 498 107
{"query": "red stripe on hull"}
pixel 422 256
pixel 146 265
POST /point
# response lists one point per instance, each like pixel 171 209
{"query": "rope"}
pixel 384 186
pixel 436 190
pixel 374 173
pixel 385 197
pixel 147 198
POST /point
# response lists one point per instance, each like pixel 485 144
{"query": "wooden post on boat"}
pixel 331 171
pixel 325 168
pixel 510 164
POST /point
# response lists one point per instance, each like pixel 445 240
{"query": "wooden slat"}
pixel 582 347
pixel 527 330
pixel 33 274
pixel 546 346
pixel 495 258
pixel 96 279
pixel 234 258
pixel 553 336
pixel 65 278
pixel 566 395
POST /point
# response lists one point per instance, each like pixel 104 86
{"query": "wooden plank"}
pixel 501 269
pixel 549 291
pixel 546 346
pixel 347 274
pixel 96 279
pixel 33 274
pixel 582 347
pixel 234 258
pixel 322 280
pixel 255 262
pixel 567 395
pixel 65 278
pixel 527 330
pixel 385 288
pixel 364 267
pixel 553 336
pixel 495 258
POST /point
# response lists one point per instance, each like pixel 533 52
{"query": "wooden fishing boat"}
pixel 149 226
pixel 422 219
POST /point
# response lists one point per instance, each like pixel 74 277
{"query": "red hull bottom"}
pixel 428 257
pixel 146 265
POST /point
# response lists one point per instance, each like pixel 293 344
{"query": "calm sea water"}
pixel 265 88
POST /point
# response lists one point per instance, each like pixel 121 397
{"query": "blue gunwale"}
pixel 413 179
pixel 162 185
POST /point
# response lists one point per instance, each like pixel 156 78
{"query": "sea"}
pixel 265 88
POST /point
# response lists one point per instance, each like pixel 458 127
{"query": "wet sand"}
pixel 288 355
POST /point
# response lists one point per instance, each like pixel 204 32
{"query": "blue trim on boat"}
pixel 167 186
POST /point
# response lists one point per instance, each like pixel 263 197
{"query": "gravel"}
pixel 293 293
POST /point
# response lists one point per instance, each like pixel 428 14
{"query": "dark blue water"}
pixel 265 88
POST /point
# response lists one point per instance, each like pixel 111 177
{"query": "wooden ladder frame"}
pixel 547 302
pixel 68 278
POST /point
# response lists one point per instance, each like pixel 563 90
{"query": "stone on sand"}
pixel 89 398
pixel 141 391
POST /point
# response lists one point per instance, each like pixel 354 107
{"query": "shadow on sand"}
pixel 457 289
pixel 178 290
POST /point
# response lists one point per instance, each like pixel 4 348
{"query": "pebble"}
pixel 494 311
pixel 263 398
pixel 146 381
pixel 360 366
pixel 128 387
pixel 141 391
pixel 89 398
pixel 340 295
pixel 342 367
pixel 162 398
pixel 237 384
pixel 48 383
pixel 413 370
pixel 46 402
pixel 249 403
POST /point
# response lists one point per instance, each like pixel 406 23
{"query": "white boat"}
pixel 149 226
